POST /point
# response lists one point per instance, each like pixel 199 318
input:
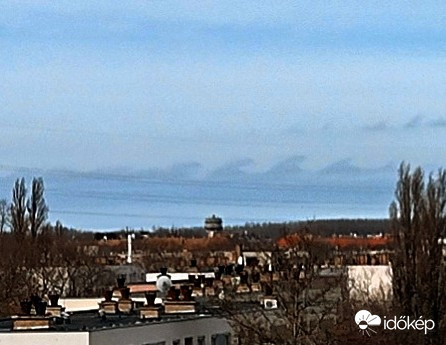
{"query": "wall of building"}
pixel 44 338
pixel 370 282
pixel 80 304
pixel 162 332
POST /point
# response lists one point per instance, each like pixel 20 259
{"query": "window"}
pixel 176 342
pixel 201 340
pixel 189 341
pixel 220 339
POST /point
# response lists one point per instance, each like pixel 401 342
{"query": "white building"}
pixel 87 328
pixel 370 283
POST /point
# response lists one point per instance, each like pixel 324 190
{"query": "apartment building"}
pixel 88 328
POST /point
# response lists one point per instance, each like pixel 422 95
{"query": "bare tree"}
pixel 37 208
pixel 309 300
pixel 4 215
pixel 19 225
pixel 419 223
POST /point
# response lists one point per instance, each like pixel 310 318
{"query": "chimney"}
pixel 191 279
pixel 198 285
pixel 108 306
pixel 129 247
pixel 175 305
pixel 243 277
pixel 41 308
pixel 150 298
pixel 209 289
pixel 173 294
pixel 26 306
pixel 121 281
pixel 108 295
pixel 163 271
pixel 125 293
pixel 54 309
pixel 243 283
pixel 186 292
pixel 150 311
pixel 35 300
pixel 54 300
pixel 125 303
pixel 255 281
pixel 27 322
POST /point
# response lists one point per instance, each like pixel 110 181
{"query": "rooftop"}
pixel 91 321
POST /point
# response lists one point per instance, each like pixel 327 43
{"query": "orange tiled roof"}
pixel 340 242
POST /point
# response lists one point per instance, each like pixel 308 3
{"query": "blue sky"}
pixel 137 85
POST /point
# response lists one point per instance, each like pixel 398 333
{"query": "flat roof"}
pixel 91 321
pixel 178 276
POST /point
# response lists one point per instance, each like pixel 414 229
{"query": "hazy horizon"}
pixel 185 195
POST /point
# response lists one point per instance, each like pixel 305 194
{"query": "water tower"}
pixel 213 225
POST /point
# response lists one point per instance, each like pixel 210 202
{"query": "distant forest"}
pixel 323 227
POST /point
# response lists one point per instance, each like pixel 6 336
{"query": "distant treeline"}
pixel 157 232
pixel 323 227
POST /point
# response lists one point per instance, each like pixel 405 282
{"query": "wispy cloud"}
pixel 414 122
pixel 439 122
pixel 377 127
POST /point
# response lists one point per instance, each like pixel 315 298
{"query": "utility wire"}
pixel 191 200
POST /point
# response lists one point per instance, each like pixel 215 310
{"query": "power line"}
pixel 195 200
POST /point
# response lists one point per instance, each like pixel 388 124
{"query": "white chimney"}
pixel 129 247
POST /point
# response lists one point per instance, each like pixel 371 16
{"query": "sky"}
pixel 109 84
pixel 116 86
